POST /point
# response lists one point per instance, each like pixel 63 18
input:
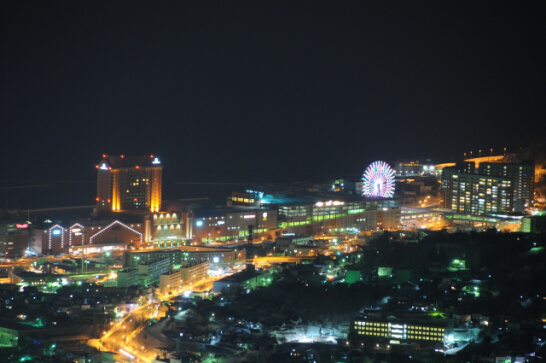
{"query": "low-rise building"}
pixel 245 280
pixel 194 272
pixel 424 333
pixel 184 255
pixel 169 281
pixel 149 272
pixel 127 277
pixel 12 333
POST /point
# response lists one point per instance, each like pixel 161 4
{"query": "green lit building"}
pixel 242 281
pixel 335 213
pixel 183 256
pixel 233 224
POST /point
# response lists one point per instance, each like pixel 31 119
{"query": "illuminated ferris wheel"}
pixel 378 180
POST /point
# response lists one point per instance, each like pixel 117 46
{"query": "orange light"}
pixel 137 167
pixel 96 166
pixel 122 156
pixel 103 155
pixel 151 156
pixel 97 199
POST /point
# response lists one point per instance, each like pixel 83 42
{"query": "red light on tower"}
pixel 137 167
pixel 103 155
pixel 97 199
pixel 122 156
pixel 151 156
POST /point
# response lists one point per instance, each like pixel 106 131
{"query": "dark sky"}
pixel 261 90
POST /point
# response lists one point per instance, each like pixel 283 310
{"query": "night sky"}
pixel 265 90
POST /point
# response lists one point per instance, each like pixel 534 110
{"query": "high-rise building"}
pixel 481 194
pixel 129 183
pixel 523 180
pixel 447 180
pixel 519 174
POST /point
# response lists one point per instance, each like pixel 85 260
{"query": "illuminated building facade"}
pixel 15 238
pixel 447 180
pixel 168 229
pixel 347 186
pixel 170 281
pixel 231 224
pixel 396 332
pixel 129 183
pixel 194 272
pixel 480 194
pixel 299 213
pixel 183 256
pixel 341 214
pixel 405 168
pixel 522 176
pixel 248 199
pixel 127 277
pixel 150 271
pixel 95 236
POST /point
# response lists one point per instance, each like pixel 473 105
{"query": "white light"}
pixel 248 216
pixel 110 225
pixel 156 161
pixel 127 354
pixel 104 166
pixel 378 180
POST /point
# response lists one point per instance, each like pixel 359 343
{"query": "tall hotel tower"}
pixel 129 183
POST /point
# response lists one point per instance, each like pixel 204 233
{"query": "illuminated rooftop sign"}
pixel 156 161
pixel 103 166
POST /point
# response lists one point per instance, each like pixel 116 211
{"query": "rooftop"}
pixel 121 161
